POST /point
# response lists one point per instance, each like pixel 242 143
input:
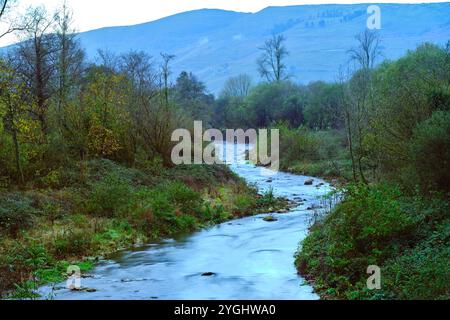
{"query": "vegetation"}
pixel 85 165
pixel 96 207
pixel 383 133
pixel 407 237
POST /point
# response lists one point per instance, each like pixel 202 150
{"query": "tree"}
pixel 408 92
pixel 69 61
pixel 366 53
pixel 36 61
pixel 8 20
pixel 360 97
pixel 12 110
pixel 165 74
pixel 274 102
pixel 323 108
pixel 191 96
pixel 3 5
pixel 237 87
pixel 271 65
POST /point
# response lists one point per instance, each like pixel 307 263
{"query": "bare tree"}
pixel 359 98
pixel 35 60
pixel 238 86
pixel 108 60
pixel 165 74
pixel 69 60
pixel 368 50
pixel 139 68
pixel 271 64
pixel 7 18
pixel 3 5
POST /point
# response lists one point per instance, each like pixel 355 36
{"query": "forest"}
pixel 85 165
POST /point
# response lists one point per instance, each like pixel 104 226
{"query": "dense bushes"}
pixel 378 225
pixel 316 153
pixel 16 213
pixel 430 150
pixel 109 196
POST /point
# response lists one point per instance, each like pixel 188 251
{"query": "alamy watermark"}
pixel 374 19
pixel 231 146
pixel 73 278
pixel 374 281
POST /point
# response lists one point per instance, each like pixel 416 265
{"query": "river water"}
pixel 249 258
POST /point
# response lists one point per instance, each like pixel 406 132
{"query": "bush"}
pixel 16 213
pixel 368 228
pixel 72 244
pixel 243 204
pixel 187 200
pixel 267 199
pixel 430 148
pixel 109 196
pixel 421 273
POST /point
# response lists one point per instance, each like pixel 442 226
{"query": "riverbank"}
pixel 380 224
pixel 86 212
pixel 406 236
pixel 246 258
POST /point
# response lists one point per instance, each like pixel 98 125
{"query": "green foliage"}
pixel 187 200
pixel 109 197
pixel 268 199
pixel 420 273
pixel 377 225
pixel 72 243
pixel 243 204
pixel 323 106
pixel 16 213
pixel 430 149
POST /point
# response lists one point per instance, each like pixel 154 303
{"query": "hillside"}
pixel 217 44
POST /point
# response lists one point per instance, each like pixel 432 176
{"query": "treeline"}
pixel 389 122
pixel 56 106
pixel 85 147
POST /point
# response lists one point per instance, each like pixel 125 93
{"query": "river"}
pixel 247 259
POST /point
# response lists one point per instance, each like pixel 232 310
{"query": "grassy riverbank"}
pixel 397 225
pixel 407 237
pixel 94 208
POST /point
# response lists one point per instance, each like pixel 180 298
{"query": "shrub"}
pixel 16 213
pixel 420 273
pixel 73 243
pixel 368 228
pixel 243 204
pixel 187 200
pixel 267 199
pixel 430 148
pixel 109 196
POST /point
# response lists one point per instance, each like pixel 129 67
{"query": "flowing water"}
pixel 247 258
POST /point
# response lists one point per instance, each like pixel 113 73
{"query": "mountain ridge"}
pixel 216 44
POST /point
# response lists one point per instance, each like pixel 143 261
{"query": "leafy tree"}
pixel 13 112
pixel 323 108
pixel 191 96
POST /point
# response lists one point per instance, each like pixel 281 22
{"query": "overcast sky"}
pixel 92 14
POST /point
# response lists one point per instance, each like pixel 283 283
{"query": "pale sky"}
pixel 93 14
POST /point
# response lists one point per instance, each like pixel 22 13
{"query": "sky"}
pixel 93 14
